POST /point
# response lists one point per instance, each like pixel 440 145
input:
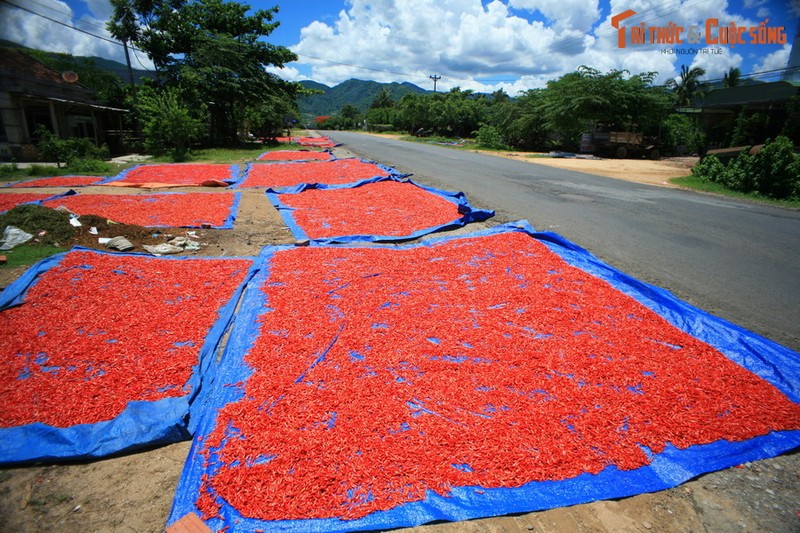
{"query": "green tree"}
pixel 213 51
pixel 679 134
pixel 525 125
pixel 414 113
pixel 382 100
pixel 689 88
pixel 732 77
pixel 167 122
pixel 578 101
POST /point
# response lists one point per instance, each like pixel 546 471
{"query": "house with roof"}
pixel 764 110
pixel 32 94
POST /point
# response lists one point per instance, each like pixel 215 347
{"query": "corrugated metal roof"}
pixel 15 61
pixel 777 91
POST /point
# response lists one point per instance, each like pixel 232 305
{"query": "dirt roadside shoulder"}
pixel 644 171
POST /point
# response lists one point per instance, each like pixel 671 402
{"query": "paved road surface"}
pixel 736 260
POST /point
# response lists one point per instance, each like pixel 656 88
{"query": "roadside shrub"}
pixel 90 166
pixel 710 168
pixel 8 170
pixel 679 134
pixel 489 137
pixel 741 174
pixel 53 148
pixel 774 171
pixel 773 164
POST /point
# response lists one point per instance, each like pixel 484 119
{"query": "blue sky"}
pixel 483 45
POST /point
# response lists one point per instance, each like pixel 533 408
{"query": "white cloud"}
pixel 38 32
pixel 465 41
pixel 776 60
pixel 100 9
pixel 564 14
pixel 481 45
pixel 717 62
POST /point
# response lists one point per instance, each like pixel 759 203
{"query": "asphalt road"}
pixel 737 260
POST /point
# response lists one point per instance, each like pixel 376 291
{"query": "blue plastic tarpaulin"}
pixel 386 218
pixel 358 343
pixel 119 330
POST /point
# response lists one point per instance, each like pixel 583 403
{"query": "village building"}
pixel 32 94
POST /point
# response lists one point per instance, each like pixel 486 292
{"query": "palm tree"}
pixel 731 78
pixel 689 88
pixel 382 99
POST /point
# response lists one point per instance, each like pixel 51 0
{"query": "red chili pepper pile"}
pixel 178 174
pixel 98 331
pixel 177 210
pixel 295 155
pixel 318 142
pixel 12 200
pixel 60 181
pixel 387 208
pixel 326 172
pixel 380 374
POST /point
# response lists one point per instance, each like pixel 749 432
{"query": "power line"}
pixel 112 41
pixel 66 14
pixel 62 23
pixel 563 45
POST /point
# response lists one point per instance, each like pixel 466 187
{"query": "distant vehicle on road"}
pixel 620 144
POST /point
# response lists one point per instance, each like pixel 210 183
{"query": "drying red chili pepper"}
pixel 318 142
pixel 179 173
pixel 386 208
pixel 334 172
pixel 60 181
pixel 380 374
pixel 295 155
pixel 166 209
pixel 98 331
pixel 11 200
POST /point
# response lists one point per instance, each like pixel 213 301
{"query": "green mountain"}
pixel 359 93
pixel 328 101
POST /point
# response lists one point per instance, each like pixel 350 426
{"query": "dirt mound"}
pixel 52 227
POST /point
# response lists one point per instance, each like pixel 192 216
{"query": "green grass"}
pixel 226 155
pixel 699 184
pixel 28 254
pixel 450 142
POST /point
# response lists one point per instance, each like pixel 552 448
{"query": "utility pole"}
pixel 435 78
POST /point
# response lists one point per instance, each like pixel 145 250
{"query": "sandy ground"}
pixel 134 492
pixel 636 170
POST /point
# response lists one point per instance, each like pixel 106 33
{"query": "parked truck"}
pixel 619 144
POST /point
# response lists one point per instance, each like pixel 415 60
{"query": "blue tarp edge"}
pixel 100 180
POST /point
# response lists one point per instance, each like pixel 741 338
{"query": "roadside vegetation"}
pixel 772 172
pixel 211 89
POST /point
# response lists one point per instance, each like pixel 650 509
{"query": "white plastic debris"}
pixel 162 249
pixel 120 243
pixel 13 236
